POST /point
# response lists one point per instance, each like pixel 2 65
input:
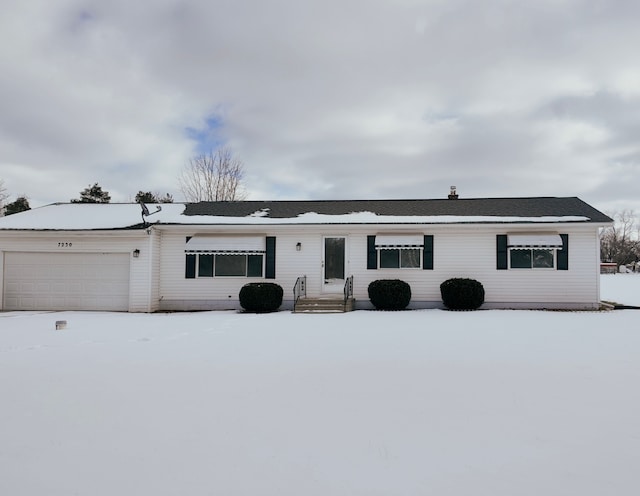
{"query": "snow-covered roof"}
pixel 93 216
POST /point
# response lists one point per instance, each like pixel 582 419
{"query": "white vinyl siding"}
pixel 459 251
pixel 150 296
pixel 176 291
pixel 472 253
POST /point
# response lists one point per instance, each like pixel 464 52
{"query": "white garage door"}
pixel 66 281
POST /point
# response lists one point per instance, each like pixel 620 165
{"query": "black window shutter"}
pixel 563 255
pixel 372 256
pixel 427 254
pixel 270 258
pixel 501 252
pixel 190 266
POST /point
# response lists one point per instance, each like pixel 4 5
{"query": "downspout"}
pixel 598 234
pixel 1 280
pixel 151 235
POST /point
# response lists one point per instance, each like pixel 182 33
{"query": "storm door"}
pixel 333 263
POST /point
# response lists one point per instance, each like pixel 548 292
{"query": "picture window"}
pixel 229 265
pixel 400 258
pixel 532 258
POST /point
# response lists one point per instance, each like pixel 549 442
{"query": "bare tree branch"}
pixel 619 243
pixel 215 176
pixel 3 196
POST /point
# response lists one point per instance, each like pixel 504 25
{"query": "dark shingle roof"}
pixel 498 207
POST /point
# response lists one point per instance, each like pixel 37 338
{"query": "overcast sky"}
pixel 321 99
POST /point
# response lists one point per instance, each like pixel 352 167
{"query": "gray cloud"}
pixel 349 99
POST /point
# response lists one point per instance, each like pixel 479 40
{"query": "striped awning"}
pixel 534 240
pixel 399 241
pixel 225 244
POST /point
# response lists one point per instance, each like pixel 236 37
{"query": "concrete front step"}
pixel 324 305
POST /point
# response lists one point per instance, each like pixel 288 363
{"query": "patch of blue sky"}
pixel 208 137
pixel 81 21
pixel 85 16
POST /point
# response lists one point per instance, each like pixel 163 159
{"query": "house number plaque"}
pixel 65 244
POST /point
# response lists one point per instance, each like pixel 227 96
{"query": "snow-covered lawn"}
pixel 429 402
pixel 621 288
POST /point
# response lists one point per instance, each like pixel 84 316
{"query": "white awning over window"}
pixel 399 241
pixel 226 244
pixel 535 240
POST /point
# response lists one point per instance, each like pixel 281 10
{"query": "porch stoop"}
pixel 324 305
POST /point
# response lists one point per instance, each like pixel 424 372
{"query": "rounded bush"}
pixel 389 294
pixel 462 294
pixel 261 297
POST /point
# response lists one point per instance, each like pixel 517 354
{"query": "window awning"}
pixel 399 241
pixel 225 244
pixel 540 240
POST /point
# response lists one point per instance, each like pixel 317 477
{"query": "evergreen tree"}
pixel 146 197
pixel 149 197
pixel 20 205
pixel 93 194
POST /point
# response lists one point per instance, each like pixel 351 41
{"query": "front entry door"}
pixel 333 263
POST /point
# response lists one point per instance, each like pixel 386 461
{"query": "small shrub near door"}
pixel 462 294
pixel 389 294
pixel 261 297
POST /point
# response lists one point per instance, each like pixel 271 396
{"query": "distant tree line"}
pixel 91 194
pixel 620 243
pixel 95 194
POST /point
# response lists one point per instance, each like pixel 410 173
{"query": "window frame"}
pixel 391 240
pixel 534 240
pixel 418 249
pixel 214 266
pixel 531 250
pixel 252 247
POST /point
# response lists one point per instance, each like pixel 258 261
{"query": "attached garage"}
pixel 66 281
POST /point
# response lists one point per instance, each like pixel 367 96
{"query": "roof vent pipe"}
pixel 452 194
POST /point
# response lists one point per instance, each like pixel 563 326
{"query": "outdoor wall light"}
pixel 298 246
pixel 136 253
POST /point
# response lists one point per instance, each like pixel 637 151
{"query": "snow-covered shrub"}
pixel 261 297
pixel 389 294
pixel 462 294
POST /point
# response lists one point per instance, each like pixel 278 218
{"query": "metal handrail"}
pixel 299 288
pixel 348 288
